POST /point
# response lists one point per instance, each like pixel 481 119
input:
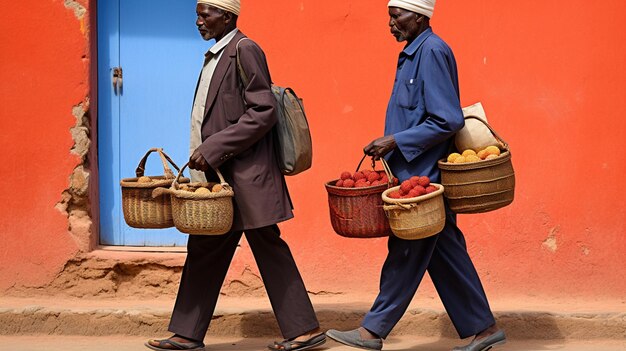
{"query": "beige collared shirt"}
pixel 199 104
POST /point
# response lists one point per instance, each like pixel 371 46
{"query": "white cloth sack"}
pixel 474 135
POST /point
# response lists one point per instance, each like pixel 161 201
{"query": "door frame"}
pixel 94 177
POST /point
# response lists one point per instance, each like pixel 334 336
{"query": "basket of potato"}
pixel 201 208
pixel 140 209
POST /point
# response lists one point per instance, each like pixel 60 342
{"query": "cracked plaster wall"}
pixel 45 128
pixel 563 235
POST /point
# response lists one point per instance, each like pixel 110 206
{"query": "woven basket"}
pixel 358 212
pixel 416 218
pixel 201 214
pixel 480 186
pixel 140 209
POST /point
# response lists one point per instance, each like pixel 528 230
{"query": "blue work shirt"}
pixel 424 110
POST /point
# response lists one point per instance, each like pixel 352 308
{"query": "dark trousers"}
pixel 452 272
pixel 208 259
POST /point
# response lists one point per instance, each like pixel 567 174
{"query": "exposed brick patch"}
pixel 75 202
pixel 79 10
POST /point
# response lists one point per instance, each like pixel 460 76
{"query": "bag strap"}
pixel 242 73
pixel 245 81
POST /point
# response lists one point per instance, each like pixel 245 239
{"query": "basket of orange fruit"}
pixel 415 208
pixel 355 203
pixel 479 180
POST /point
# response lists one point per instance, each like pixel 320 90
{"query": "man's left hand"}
pixel 380 147
pixel 197 162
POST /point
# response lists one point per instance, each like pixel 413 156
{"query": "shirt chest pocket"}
pixel 408 94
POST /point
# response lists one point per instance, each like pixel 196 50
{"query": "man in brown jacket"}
pixel 232 130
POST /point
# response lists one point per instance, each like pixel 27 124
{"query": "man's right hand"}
pixel 380 147
pixel 197 162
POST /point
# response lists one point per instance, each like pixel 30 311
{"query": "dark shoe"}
pixel 484 344
pixel 353 338
pixel 293 345
pixel 167 344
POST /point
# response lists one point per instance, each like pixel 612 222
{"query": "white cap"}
pixel 227 5
pixel 424 7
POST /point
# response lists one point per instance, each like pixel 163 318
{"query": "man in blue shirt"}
pixel 423 115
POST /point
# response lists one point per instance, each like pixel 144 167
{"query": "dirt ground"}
pixel 79 343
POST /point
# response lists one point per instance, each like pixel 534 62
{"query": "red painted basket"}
pixel 358 212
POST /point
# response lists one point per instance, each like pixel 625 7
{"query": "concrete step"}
pixel 252 317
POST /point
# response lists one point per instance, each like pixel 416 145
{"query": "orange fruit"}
pixel 482 154
pixel 468 152
pixel 453 156
pixel 493 150
pixel 472 158
pixel 491 157
pixel 460 159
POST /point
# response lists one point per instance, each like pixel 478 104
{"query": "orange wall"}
pixel 548 76
pixel 551 79
pixel 43 75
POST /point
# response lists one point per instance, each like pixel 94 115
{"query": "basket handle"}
pixel 164 159
pixel 386 168
pixel 503 143
pixel 397 205
pixel 180 173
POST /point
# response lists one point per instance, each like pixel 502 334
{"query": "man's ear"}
pixel 228 17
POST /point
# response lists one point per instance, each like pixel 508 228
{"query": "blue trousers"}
pixel 452 272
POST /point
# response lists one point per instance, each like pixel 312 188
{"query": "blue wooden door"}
pixel 160 53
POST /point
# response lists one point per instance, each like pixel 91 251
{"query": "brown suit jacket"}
pixel 237 137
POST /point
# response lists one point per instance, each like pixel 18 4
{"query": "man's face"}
pixel 405 25
pixel 211 22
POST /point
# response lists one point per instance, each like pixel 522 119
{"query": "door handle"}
pixel 118 82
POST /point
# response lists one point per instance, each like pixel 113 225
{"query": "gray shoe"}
pixel 484 344
pixel 353 338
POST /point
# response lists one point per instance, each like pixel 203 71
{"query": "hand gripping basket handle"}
pixel 502 142
pixel 385 168
pixel 180 173
pixel 164 159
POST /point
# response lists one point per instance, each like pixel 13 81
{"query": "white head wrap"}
pixel 424 7
pixel 227 5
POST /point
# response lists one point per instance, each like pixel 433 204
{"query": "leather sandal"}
pixel 293 345
pixel 168 344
